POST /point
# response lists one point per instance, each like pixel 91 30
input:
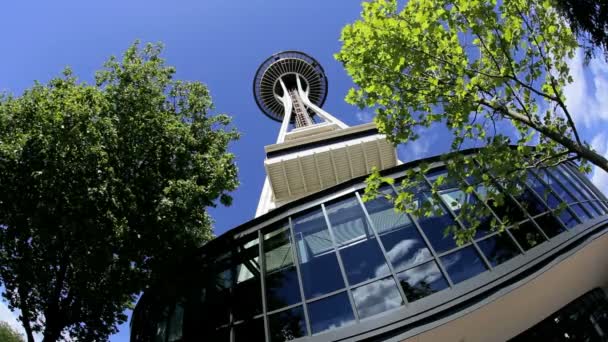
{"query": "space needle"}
pixel 314 150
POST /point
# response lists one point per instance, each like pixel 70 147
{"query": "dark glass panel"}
pixel 544 192
pixel 403 244
pixel 509 211
pixel 287 325
pixel 379 296
pixel 318 261
pixel 422 281
pixel 527 235
pixel 330 313
pixel 575 178
pixel 556 187
pixel 550 225
pixel 433 175
pixel 531 203
pixel 247 290
pixel 210 301
pixel 498 248
pixel 282 288
pixel 358 246
pixel 578 209
pixel 250 330
pixel 455 198
pixel 463 264
pixel 590 209
pixel 568 184
pixel 363 261
pixel 434 225
pixel 567 218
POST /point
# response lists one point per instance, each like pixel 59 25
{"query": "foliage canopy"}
pixel 474 67
pixel 8 334
pixel 100 185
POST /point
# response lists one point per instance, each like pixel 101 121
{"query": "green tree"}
pixel 8 334
pixel 473 67
pixel 100 185
pixel 588 19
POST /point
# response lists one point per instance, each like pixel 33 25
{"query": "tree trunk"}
pixel 25 315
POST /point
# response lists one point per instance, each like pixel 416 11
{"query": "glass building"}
pixel 319 264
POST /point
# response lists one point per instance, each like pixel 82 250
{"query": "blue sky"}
pixel 221 43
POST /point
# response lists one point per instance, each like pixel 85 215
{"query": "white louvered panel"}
pixel 326 169
pixel 342 166
pixel 372 156
pixel 294 178
pixel 357 160
pixel 310 174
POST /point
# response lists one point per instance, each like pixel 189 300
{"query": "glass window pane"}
pixel 422 281
pixel 576 192
pixel 556 187
pixel 542 191
pixel 550 225
pixel 287 325
pixel 509 211
pixel 527 235
pixel 358 246
pixel 282 288
pixel 498 249
pixel 574 178
pixel 567 218
pixel 455 198
pixel 379 296
pixel 214 295
pixel 247 289
pixel 578 209
pixel 531 203
pixel 330 313
pixel 319 264
pixel 250 330
pixel 463 264
pixel 434 226
pixel 403 244
pixel 590 209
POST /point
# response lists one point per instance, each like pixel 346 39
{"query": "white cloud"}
pixel 587 100
pixel 420 148
pixel 586 96
pixel 364 116
pixel 600 177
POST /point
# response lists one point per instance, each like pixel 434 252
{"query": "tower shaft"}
pixel 302 118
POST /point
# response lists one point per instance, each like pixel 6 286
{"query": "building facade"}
pixel 319 264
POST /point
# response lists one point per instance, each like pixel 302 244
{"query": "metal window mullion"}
pixel 577 180
pixel 263 283
pixel 340 264
pixel 521 207
pixel 521 250
pixel 517 203
pixel 428 244
pixel 550 211
pixel 455 219
pixel 388 261
pixel 594 190
pixel 558 181
pixel 548 187
pixel 296 258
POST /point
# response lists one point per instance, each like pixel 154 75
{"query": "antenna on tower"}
pixel 291 87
